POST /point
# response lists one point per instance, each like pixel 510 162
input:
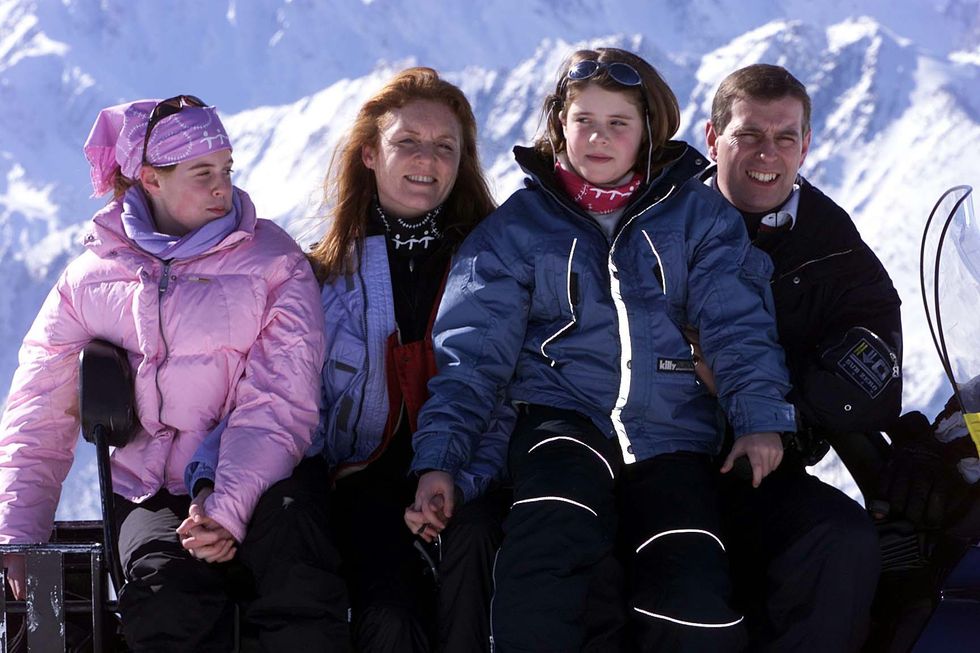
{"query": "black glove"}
pixel 807 443
pixel 918 483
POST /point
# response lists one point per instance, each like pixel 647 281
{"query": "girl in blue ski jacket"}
pixel 575 296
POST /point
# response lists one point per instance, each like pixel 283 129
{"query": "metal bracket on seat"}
pixel 56 574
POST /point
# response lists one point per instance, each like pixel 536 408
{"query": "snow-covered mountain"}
pixel 896 113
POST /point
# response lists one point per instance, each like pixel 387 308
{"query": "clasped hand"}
pixel 435 500
pixel 202 536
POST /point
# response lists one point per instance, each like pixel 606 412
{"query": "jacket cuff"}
pixel 470 485
pixel 197 474
pixel 213 508
pixel 754 414
pixel 435 460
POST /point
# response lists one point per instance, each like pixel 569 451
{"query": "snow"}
pixel 966 58
pixel 896 108
pixel 24 197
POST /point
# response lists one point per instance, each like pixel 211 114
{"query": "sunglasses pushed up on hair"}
pixel 164 109
pixel 621 73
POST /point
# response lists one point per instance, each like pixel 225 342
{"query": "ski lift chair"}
pixel 68 575
pixel 929 588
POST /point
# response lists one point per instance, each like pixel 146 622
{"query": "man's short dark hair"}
pixel 759 81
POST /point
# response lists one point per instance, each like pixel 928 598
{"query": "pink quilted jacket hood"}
pixel 238 330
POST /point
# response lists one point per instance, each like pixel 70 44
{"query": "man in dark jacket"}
pixel 805 555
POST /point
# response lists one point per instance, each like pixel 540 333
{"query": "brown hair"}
pixel 653 96
pixel 121 183
pixel 350 187
pixel 759 81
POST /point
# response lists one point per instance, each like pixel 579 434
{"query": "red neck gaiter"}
pixel 594 198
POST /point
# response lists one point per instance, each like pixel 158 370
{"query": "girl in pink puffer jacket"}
pixel 220 315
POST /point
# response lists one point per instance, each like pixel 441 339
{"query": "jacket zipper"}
pixel 626 349
pixel 367 359
pixel 390 434
pixel 810 262
pixel 162 288
pixel 493 595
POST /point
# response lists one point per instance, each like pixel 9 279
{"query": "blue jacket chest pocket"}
pixel 662 273
pixel 556 288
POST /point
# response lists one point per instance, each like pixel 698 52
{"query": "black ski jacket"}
pixel 833 300
pixel 838 318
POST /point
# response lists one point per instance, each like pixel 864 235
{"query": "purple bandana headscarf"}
pixel 115 143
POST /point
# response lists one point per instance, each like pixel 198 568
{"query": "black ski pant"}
pixel 397 605
pixel 680 585
pixel 285 575
pixel 805 560
pixel 559 540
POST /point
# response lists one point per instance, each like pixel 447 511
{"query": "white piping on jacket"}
pixel 625 363
pixel 660 263
pixel 571 306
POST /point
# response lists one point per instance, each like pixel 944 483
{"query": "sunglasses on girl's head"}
pixel 621 73
pixel 166 108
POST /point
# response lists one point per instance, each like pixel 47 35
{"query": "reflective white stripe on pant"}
pixel 694 624
pixel 571 439
pixel 562 499
pixel 681 531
